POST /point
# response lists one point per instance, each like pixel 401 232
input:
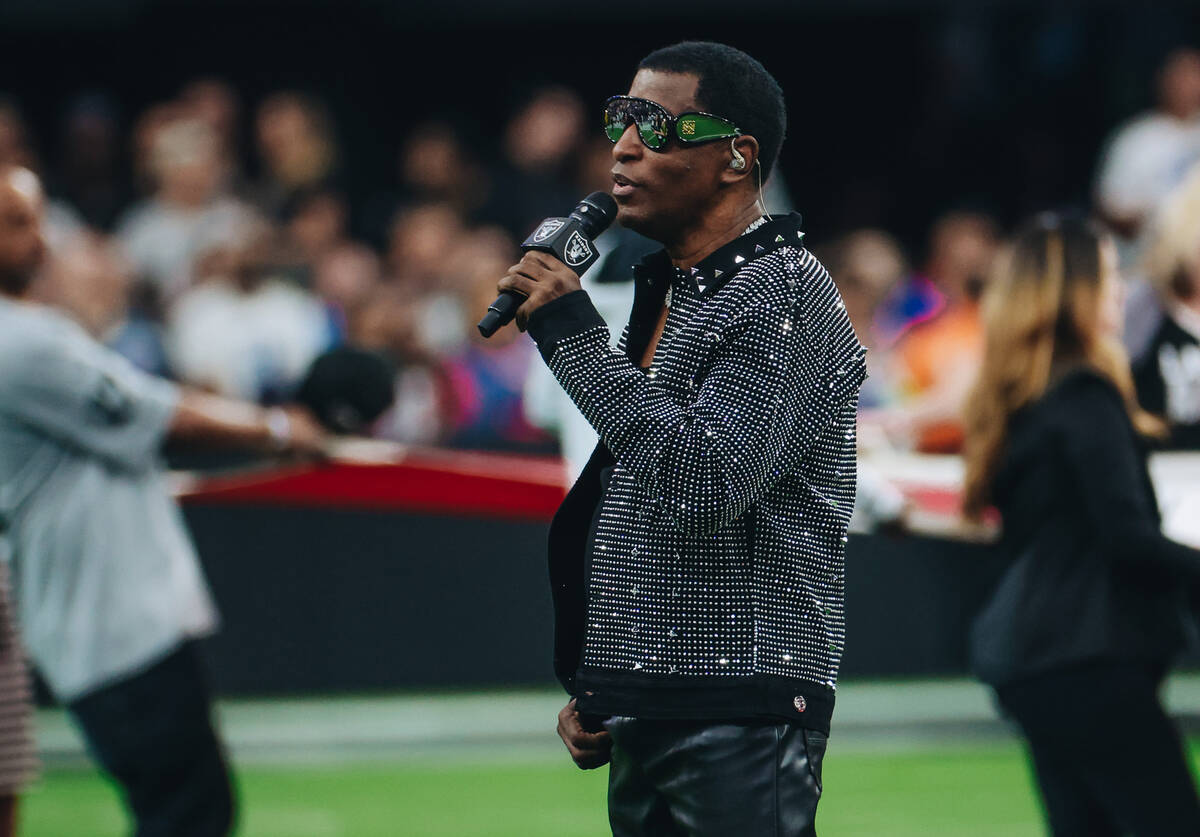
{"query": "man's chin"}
pixel 632 218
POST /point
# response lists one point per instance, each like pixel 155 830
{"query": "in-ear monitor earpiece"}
pixel 738 162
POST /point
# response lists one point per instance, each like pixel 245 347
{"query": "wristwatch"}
pixel 280 428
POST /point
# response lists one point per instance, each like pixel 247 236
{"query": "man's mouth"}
pixel 622 186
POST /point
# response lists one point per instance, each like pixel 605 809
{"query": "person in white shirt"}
pixel 1148 156
pixel 188 214
pixel 109 592
pixel 241 331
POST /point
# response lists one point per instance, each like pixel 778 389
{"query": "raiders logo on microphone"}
pixel 548 228
pixel 578 249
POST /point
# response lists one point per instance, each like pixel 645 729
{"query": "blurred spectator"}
pixel 1168 376
pixel 868 266
pixel 345 278
pixel 89 174
pixel 433 166
pixel 215 103
pixel 16 149
pixel 188 213
pixel 879 505
pixel 1147 156
pixel 89 281
pixel 936 360
pixel 348 389
pixel 315 225
pixel 421 241
pixel 386 323
pixel 146 129
pixel 913 301
pixel 297 147
pixel 61 222
pixel 423 249
pixel 534 179
pixel 487 377
pixel 241 331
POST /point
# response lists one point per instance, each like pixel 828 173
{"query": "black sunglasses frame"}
pixel 671 124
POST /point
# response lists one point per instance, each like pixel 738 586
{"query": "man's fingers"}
pixel 592 740
pixel 591 762
pixel 542 260
pixel 588 750
pixel 586 742
pixel 539 278
pixel 517 283
pixel 587 757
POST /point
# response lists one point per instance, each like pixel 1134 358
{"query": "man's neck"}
pixel 714 232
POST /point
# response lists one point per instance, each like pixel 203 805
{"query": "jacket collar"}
pixel 719 267
pixel 653 275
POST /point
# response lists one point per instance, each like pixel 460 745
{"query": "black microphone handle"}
pixel 500 313
pixel 569 240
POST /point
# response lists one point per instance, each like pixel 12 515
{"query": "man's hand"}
pixel 588 749
pixel 539 277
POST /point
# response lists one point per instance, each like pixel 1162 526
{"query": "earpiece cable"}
pixel 761 200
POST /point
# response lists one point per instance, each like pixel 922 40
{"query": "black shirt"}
pixel 698 564
pixel 1091 577
pixel 1168 382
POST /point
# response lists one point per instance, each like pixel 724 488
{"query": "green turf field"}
pixel 906 758
pixel 981 792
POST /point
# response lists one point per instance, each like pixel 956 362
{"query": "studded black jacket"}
pixel 697 565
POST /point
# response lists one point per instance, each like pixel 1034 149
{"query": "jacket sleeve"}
pixel 776 379
pixel 1101 454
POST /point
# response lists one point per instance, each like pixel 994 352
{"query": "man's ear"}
pixel 743 156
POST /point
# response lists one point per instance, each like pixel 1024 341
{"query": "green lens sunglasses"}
pixel 656 125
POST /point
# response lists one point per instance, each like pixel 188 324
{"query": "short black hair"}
pixel 733 86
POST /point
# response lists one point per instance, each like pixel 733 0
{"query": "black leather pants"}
pixel 704 779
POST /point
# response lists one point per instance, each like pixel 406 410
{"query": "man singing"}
pixel 697 564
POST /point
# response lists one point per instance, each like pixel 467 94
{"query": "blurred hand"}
pixel 895 427
pixel 540 278
pixel 306 436
pixel 589 750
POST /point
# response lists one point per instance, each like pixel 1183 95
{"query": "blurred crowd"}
pixel 924 325
pixel 214 243
pixel 167 247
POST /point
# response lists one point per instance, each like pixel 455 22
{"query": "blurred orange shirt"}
pixel 939 356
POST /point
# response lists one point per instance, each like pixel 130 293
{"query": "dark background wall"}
pixel 899 111
pixel 324 600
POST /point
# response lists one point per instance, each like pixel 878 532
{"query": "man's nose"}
pixel 629 146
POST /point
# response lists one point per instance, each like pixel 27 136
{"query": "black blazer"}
pixel 698 564
pixel 1091 576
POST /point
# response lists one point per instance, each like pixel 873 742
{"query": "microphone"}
pixel 567 239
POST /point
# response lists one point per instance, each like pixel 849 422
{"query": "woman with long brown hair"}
pixel 1090 612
